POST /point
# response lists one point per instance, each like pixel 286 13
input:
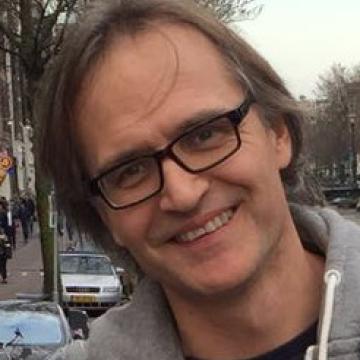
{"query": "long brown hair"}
pixel 87 41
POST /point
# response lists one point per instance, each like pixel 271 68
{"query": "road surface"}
pixel 24 269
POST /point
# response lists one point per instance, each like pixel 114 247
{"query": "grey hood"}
pixel 339 240
pixel 144 329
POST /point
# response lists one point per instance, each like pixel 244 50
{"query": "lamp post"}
pixel 26 134
pixel 353 164
pixel 12 137
pixel 9 82
pixel 11 122
pixel 14 152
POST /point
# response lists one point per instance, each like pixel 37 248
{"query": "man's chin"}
pixel 210 288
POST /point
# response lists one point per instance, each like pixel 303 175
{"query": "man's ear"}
pixel 282 143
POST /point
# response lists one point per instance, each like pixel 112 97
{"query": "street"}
pixel 24 269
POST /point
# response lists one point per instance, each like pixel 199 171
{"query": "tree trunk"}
pixel 43 189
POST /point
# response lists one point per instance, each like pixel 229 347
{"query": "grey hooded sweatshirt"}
pixel 145 329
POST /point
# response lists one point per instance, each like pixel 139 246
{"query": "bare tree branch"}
pixel 330 123
pixel 61 34
pixel 10 51
pixel 8 5
pixel 39 25
pixel 11 7
pixel 13 37
pixel 232 10
pixel 40 5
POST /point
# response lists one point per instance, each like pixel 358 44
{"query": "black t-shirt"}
pixel 292 350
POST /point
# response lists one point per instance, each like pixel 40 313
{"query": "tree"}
pixel 33 31
pixel 329 137
pixel 232 10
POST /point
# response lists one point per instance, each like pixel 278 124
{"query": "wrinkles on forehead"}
pixel 161 72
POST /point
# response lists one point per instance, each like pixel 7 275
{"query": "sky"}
pixel 302 39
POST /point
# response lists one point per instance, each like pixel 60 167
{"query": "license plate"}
pixel 83 298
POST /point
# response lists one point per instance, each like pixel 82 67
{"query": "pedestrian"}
pixel 60 224
pixel 12 215
pixel 5 224
pixel 30 208
pixel 5 250
pixel 3 200
pixel 24 216
pixel 165 129
pixel 69 229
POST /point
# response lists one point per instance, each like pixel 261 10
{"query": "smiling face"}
pixel 205 233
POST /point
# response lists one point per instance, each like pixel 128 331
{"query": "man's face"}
pixel 139 97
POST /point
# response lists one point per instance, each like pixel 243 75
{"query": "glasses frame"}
pixel 235 116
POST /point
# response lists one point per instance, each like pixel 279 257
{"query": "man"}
pixel 4 221
pixel 24 216
pixel 168 131
pixel 5 254
pixel 30 206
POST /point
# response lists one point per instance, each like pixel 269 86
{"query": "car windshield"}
pixel 29 328
pixel 91 265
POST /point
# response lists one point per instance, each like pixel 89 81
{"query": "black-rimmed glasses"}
pixel 198 149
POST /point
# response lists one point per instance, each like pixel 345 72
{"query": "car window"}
pixel 94 265
pixel 36 328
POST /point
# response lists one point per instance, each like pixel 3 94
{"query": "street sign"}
pixel 6 162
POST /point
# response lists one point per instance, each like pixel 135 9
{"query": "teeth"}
pixel 191 235
pixel 224 217
pixel 200 232
pixel 218 221
pixel 209 227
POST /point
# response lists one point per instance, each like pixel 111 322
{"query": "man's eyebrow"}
pixel 121 158
pixel 199 118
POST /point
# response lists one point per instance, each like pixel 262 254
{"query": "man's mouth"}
pixel 210 226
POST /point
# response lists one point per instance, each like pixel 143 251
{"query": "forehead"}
pixel 145 85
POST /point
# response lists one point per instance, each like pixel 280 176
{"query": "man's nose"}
pixel 182 190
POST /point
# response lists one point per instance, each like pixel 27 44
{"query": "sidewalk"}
pixel 24 269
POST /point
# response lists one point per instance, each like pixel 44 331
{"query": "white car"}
pixel 89 281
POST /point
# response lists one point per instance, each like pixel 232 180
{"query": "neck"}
pixel 279 304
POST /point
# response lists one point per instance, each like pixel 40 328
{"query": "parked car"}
pixel 89 281
pixel 32 330
pixel 358 205
pixel 344 202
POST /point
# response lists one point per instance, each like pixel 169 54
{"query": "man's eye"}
pixel 132 170
pixel 204 135
pixel 208 136
pixel 129 175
